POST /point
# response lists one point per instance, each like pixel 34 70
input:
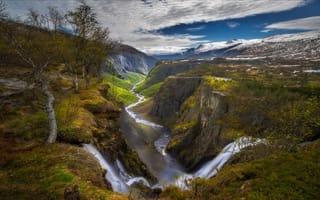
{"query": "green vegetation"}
pixel 152 90
pixel 161 71
pixel 134 77
pixel 43 173
pixel 120 88
pixel 283 175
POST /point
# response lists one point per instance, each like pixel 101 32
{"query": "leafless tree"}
pixel 56 18
pixel 3 14
pixel 36 47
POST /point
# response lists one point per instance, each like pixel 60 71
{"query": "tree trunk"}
pixel 76 82
pixel 87 81
pixel 86 77
pixel 53 130
pixel 99 74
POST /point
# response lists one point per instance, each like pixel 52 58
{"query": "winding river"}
pixel 150 141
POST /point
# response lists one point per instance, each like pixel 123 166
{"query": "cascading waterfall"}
pixel 121 181
pixel 117 177
pixel 118 185
pixel 212 167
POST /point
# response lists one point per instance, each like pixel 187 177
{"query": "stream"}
pixel 150 141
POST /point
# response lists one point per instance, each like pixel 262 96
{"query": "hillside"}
pixel 86 109
pixel 125 58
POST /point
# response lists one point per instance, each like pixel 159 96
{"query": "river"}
pixel 150 141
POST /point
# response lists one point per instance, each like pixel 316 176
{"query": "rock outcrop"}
pixel 172 95
pixel 192 109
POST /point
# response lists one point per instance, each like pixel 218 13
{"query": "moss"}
pixel 44 172
pixel 76 124
pixel 27 126
pixel 283 175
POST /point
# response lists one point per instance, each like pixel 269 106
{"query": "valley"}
pixel 84 116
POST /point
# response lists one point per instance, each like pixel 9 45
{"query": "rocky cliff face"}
pixel 193 112
pixel 126 58
pixel 172 95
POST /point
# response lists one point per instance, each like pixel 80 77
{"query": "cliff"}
pixel 192 109
pixel 125 58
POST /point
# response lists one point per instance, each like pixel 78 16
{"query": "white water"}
pixel 118 185
pixel 119 179
pixel 212 167
pixel 173 174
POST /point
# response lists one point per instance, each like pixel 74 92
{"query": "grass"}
pixel 283 175
pixel 135 77
pixel 44 172
pixel 120 88
pixel 152 90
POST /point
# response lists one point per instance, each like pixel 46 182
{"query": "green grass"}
pixel 120 88
pixel 45 171
pixel 135 77
pixel 122 95
pixel 283 175
pixel 152 90
pixel 118 82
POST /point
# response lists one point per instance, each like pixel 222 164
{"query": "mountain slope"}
pixel 297 46
pixel 126 58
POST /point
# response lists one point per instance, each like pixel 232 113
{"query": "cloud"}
pixel 194 29
pixel 266 30
pixel 233 24
pixel 126 17
pixel 309 23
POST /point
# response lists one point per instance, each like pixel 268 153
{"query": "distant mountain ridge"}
pixel 298 45
pixel 125 58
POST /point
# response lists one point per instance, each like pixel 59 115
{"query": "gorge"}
pixel 161 164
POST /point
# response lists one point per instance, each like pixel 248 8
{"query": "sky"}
pixel 171 26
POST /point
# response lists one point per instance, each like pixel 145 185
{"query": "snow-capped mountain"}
pixel 290 46
pixel 224 45
pixel 298 45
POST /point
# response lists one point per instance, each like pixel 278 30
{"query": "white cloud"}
pixel 309 23
pixel 266 30
pixel 199 28
pixel 126 17
pixel 233 24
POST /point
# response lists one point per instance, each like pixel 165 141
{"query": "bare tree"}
pixel 37 48
pixel 3 14
pixel 56 18
pixel 37 20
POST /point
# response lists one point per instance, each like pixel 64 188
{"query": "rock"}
pixel 126 58
pixel 72 192
pixel 172 95
pixel 193 109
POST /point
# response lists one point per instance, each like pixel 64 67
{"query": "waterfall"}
pixel 118 178
pixel 118 185
pixel 121 181
pixel 212 167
